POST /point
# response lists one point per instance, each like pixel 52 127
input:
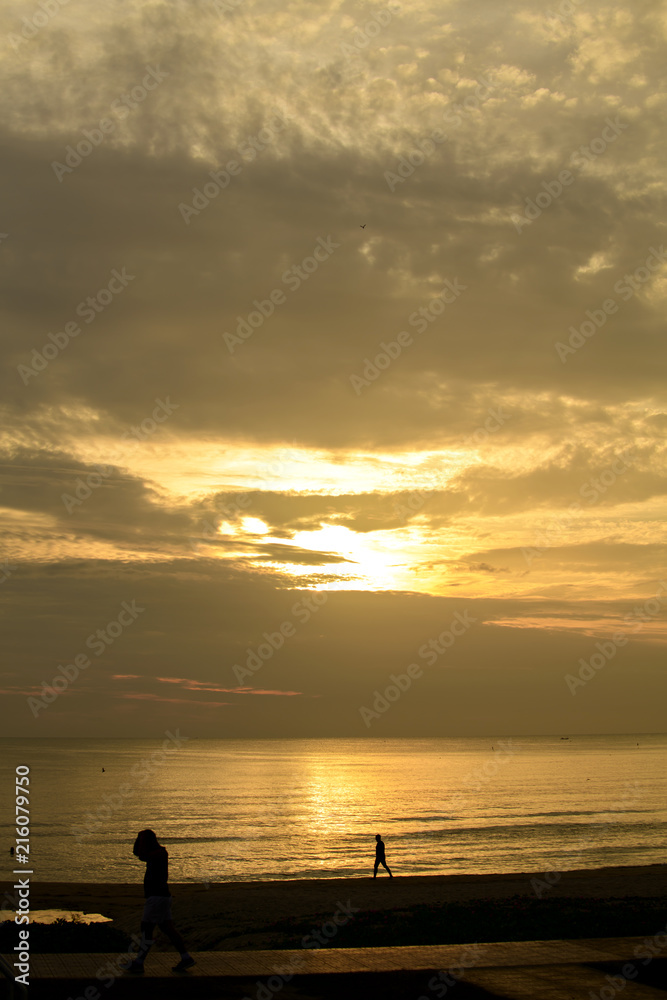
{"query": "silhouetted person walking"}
pixel 157 909
pixel 379 856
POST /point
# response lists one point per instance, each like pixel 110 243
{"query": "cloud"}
pixel 226 391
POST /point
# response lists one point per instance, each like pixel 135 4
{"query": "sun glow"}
pixel 255 526
pixel 413 520
pixel 342 558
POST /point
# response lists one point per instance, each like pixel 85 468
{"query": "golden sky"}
pixel 340 301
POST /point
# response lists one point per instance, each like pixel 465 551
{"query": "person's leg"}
pixel 147 930
pixel 169 928
pixel 375 869
pixel 187 961
pixel 388 869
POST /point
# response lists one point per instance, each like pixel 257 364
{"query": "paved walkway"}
pixel 517 970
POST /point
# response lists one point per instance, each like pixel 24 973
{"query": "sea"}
pixel 257 809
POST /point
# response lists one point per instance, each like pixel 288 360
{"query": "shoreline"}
pixel 231 915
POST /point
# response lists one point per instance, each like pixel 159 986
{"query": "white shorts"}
pixel 157 909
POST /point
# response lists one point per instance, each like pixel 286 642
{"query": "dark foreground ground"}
pixel 556 970
pixel 344 913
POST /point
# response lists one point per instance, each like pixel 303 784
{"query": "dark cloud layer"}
pixel 339 654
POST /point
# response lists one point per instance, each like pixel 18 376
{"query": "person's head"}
pixel 145 843
pixel 378 837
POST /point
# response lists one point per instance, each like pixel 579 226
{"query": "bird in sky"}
pixel 364 226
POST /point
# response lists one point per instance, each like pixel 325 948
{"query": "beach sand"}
pixel 232 915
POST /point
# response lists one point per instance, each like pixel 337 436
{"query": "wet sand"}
pixel 250 914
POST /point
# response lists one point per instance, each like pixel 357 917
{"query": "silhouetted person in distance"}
pixel 379 856
pixel 157 909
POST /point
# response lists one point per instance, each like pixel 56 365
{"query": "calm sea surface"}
pixel 233 810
